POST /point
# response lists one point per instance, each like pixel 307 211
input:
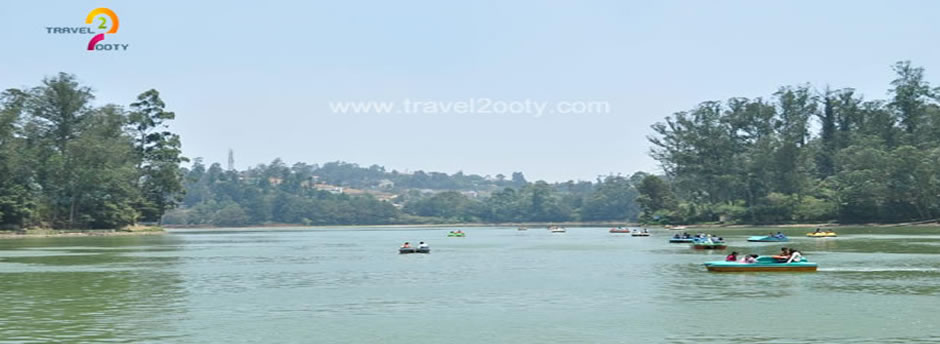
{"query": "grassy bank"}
pixel 50 233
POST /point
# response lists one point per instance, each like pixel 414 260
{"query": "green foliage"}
pixel 656 198
pixel 159 156
pixel 613 199
pixel 756 161
pixel 275 193
pixel 65 163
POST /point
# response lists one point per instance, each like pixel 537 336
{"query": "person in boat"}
pixel 818 230
pixel 751 259
pixel 784 252
pixel 645 231
pixel 676 236
pixel 406 245
pixel 733 257
pixel 795 256
pixel 780 235
pixel 422 245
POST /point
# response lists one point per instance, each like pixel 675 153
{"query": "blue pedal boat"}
pixel 763 264
pixel 768 238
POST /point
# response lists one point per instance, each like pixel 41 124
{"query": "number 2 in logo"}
pixel 104 24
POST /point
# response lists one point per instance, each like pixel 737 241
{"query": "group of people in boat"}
pixel 828 231
pixel 787 255
pixel 456 232
pixel 748 258
pixel 420 245
pixel 779 235
pixel 701 236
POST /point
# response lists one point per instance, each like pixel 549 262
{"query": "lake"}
pixel 497 285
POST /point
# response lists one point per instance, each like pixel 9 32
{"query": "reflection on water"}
pixel 874 285
pixel 101 295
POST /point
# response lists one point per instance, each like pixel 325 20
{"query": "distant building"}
pixel 384 197
pixel 351 191
pixel 386 184
pixel 329 188
pixel 308 183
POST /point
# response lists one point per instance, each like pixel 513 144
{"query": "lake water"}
pixel 497 285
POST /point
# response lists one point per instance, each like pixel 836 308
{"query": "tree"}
pixel 655 196
pixel 17 192
pixel 613 199
pixel 159 156
pixel 65 163
pixel 911 94
pixel 56 110
pixel 870 161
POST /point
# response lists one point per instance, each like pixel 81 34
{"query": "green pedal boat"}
pixel 763 264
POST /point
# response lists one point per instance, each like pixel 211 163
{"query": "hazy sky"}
pixel 257 76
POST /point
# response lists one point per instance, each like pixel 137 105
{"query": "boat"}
pixel 822 234
pixel 640 234
pixel 557 229
pixel 767 238
pixel 764 263
pixel 457 234
pixel 407 250
pixel 619 230
pixel 709 245
pixel 678 228
pixel 522 228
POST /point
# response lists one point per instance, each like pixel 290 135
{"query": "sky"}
pixel 259 77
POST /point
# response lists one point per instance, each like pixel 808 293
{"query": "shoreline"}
pixel 65 233
pixel 932 223
pixel 144 230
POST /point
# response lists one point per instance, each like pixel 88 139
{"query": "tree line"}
pixel 802 155
pixel 276 193
pixel 65 163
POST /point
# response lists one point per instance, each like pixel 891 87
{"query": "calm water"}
pixel 496 285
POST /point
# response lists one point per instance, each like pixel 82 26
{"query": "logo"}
pixel 104 23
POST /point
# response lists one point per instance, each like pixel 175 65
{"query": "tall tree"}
pixel 17 191
pixel 911 95
pixel 159 153
pixel 57 110
pixel 655 196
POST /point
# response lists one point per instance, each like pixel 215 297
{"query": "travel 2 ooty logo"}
pixel 104 23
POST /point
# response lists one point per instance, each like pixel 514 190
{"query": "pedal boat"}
pixel 767 238
pixel 407 250
pixel 715 245
pixel 822 235
pixel 763 264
